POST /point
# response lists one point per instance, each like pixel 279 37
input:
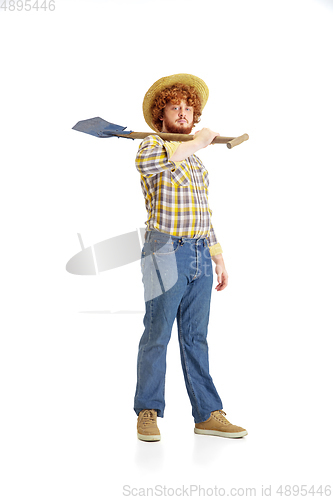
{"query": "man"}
pixel 176 263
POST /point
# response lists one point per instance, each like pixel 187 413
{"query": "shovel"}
pixel 101 128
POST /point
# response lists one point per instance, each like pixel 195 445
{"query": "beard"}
pixel 177 128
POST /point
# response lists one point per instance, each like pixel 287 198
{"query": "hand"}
pixel 204 137
pixel 222 275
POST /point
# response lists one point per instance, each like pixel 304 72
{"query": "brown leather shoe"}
pixel 218 425
pixel 147 426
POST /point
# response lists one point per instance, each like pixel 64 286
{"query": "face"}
pixel 177 118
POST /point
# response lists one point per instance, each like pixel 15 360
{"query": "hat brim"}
pixel 168 81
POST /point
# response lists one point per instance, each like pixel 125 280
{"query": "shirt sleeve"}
pixel 214 247
pixel 154 155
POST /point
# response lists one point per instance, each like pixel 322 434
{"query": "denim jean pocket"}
pixel 164 246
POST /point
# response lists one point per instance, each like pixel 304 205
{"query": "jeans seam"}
pixel 185 360
pixel 144 347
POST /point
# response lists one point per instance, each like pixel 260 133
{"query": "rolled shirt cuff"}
pixel 215 249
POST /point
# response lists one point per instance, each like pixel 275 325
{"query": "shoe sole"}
pixel 220 433
pixel 153 437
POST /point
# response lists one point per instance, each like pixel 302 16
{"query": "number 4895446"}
pixel 27 5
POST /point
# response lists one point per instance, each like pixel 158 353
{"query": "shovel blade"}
pixel 98 127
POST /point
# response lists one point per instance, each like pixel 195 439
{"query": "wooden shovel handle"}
pixel 229 141
pixel 237 140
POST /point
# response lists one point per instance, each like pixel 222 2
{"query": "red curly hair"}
pixel 175 94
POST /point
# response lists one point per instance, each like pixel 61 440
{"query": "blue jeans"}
pixel 177 274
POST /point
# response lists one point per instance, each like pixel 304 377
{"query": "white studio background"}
pixel 69 343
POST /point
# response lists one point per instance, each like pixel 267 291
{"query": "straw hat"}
pixel 167 81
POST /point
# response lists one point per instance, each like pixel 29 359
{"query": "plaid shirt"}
pixel 176 193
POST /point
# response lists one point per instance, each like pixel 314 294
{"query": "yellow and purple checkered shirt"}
pixel 176 193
